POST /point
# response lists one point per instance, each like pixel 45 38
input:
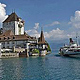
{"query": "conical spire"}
pixel 13 10
pixel 12 17
pixel 42 39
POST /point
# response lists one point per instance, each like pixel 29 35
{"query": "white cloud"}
pixel 55 34
pixel 33 32
pixel 2 12
pixel 52 24
pixel 36 26
pixel 75 20
pixel 28 31
pixel 58 34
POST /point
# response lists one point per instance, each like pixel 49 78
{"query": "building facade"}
pixel 14 34
pixel 14 23
pixel 14 37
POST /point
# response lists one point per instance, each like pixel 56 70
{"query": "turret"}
pixel 14 23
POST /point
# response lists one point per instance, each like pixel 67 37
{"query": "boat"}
pixel 73 49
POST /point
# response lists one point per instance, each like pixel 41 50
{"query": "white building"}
pixel 14 23
pixel 14 37
pixel 42 44
pixel 14 34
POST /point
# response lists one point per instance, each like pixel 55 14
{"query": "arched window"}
pixel 19 31
pixel 4 38
pixel 13 37
pixel 8 37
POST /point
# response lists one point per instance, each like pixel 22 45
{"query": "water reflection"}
pixel 49 67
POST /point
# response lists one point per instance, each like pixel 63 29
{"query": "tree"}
pixel 35 51
pixel 48 49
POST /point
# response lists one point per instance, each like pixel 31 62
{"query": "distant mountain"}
pixel 55 45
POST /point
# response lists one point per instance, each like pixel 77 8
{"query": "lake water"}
pixel 50 67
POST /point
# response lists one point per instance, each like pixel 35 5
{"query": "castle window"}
pixel 13 42
pixel 8 37
pixel 13 37
pixel 19 30
pixel 4 38
pixel 7 47
pixel 10 23
pixel 3 43
pixel 19 25
pixel 7 23
pixel 3 46
pixel 7 42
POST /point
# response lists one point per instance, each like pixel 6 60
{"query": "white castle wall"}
pixel 13 26
pixel 8 26
pixel 22 30
pixel 11 45
pixel 44 46
pixel 16 28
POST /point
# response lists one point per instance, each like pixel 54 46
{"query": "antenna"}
pixel 41 28
pixel 12 10
pixel 77 39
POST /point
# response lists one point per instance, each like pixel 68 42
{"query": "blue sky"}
pixel 45 12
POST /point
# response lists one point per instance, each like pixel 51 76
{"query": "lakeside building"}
pixel 13 38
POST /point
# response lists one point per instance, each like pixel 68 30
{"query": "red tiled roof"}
pixel 8 33
pixel 9 36
pixel 42 40
pixel 12 17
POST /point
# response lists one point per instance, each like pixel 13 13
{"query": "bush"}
pixel 35 51
pixel 48 49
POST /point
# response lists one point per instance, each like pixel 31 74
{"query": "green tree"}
pixel 48 49
pixel 35 51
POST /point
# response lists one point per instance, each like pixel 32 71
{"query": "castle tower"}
pixel 14 23
pixel 42 40
pixel 42 43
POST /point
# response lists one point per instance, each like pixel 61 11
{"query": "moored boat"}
pixel 73 49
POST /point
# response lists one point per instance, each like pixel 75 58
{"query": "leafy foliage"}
pixel 35 51
pixel 48 49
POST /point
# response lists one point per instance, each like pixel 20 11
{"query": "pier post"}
pixel 13 48
pixel 0 48
pixel 26 51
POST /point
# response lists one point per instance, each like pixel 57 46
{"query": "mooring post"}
pixel 0 50
pixel 26 51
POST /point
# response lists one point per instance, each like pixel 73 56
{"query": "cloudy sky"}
pixel 60 19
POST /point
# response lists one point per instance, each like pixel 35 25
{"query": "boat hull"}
pixel 78 55
pixel 70 54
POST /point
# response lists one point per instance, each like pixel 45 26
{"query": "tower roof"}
pixel 8 33
pixel 12 17
pixel 9 36
pixel 42 39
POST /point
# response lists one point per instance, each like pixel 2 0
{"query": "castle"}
pixel 15 39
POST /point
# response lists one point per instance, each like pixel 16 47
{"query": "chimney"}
pixel 71 41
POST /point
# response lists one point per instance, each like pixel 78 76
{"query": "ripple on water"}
pixel 50 67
